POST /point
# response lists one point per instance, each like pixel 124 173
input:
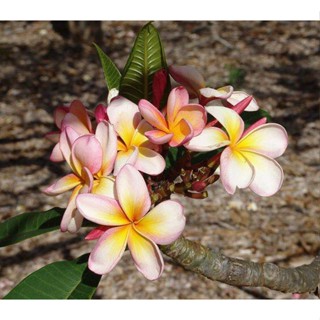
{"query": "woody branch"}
pixel 215 266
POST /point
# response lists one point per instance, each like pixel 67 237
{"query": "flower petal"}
pixel 189 77
pixel 77 118
pixel 182 133
pixel 195 114
pixel 146 255
pixel 220 93
pixel 96 233
pixel 158 137
pixel 230 120
pixel 67 138
pixel 255 125
pixel 235 170
pixel 177 99
pixel 72 219
pixel 210 139
pixel 56 154
pixel 87 179
pixel 113 93
pixel 238 96
pixel 70 120
pixel 149 161
pixel 86 152
pixel 270 139
pixel 64 184
pixel 152 115
pixel 268 175
pixel 139 139
pixel 104 186
pixel 107 137
pixel 240 106
pixel 124 116
pixel 59 114
pixel 215 103
pixel 121 146
pixel 108 250
pixel 125 157
pixel 75 222
pixel 101 210
pixel 132 193
pixel 164 223
pixel 79 110
pixel 100 113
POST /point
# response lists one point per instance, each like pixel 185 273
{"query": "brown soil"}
pixel 40 70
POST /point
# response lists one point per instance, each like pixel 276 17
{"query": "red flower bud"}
pixel 158 86
pixel 199 186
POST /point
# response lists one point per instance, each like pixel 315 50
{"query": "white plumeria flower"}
pixel 194 82
pixel 248 159
pixel 234 99
pixel 134 147
pixel 130 221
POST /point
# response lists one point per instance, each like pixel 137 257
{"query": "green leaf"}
pixel 111 73
pixel 58 280
pixel 173 155
pixel 28 225
pixel 146 58
pixel 31 224
pixel 250 117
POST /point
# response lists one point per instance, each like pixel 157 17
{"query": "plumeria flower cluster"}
pixel 117 159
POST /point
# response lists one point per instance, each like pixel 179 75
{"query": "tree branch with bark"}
pixel 214 265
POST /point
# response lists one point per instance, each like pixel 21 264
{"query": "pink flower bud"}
pixel 100 113
pixel 96 233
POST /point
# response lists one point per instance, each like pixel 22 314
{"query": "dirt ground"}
pixel 279 64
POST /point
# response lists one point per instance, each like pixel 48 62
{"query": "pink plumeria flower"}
pixel 131 221
pixel 192 79
pixel 189 77
pixel 183 120
pixel 248 159
pixel 91 158
pixel 76 117
pixel 134 147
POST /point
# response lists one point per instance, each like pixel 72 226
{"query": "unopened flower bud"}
pixel 199 186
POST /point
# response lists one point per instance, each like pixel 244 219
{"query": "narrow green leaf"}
pixel 250 117
pixel 31 224
pixel 111 73
pixel 28 225
pixel 146 58
pixel 58 280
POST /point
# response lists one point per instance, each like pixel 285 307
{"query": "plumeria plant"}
pixel 161 131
